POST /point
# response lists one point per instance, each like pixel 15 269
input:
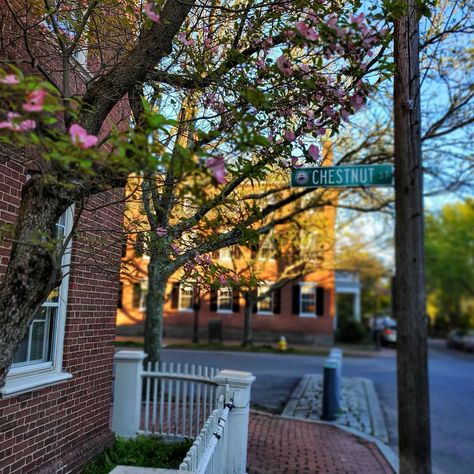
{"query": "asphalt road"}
pixel 451 389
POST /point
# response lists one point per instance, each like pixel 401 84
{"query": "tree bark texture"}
pixel 409 305
pixel 155 301
pixel 247 339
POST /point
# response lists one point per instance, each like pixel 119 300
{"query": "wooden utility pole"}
pixel 409 307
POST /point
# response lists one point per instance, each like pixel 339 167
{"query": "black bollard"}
pixel 330 403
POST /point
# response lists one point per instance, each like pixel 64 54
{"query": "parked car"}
pixel 468 341
pixel 455 339
pixel 389 334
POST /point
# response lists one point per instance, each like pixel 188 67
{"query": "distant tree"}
pixel 449 251
pixel 355 254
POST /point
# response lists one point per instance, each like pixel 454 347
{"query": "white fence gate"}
pixel 181 401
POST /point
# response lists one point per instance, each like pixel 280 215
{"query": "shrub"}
pixel 142 451
pixel 352 331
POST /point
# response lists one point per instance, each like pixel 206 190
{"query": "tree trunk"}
pixel 155 301
pixel 248 330
pixel 409 308
pixel 34 267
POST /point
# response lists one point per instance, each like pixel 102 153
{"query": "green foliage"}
pixel 143 451
pixel 351 331
pixel 449 248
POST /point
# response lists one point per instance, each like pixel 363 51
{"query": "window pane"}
pixel 265 305
pixel 36 346
pixel 185 297
pixel 137 295
pixel 308 299
pixel 224 299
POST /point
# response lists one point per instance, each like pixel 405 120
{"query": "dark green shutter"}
pixel 213 302
pixel 175 296
pixel 320 301
pixel 296 299
pixel 235 301
pixel 277 301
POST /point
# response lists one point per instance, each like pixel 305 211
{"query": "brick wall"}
pixel 59 428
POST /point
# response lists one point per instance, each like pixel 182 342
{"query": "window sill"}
pixel 18 385
pixel 225 311
pixel 306 315
pixel 265 313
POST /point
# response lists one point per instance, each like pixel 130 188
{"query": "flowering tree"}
pixel 222 93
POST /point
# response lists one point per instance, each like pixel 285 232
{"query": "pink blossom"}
pixel 183 40
pixel 22 126
pixel 217 167
pixel 345 115
pixel 356 101
pixel 357 20
pixel 150 13
pixel 175 249
pixel 306 31
pixel 261 64
pixel 290 34
pixel 284 65
pixel 207 42
pixel 10 79
pixel 80 137
pixel 35 101
pixel 290 136
pixel 313 152
pixel 294 162
pixel 222 280
pixel 160 231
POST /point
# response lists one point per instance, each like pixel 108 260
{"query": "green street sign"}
pixel 342 176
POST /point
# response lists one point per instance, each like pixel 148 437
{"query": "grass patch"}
pixel 237 348
pixel 128 343
pixel 142 451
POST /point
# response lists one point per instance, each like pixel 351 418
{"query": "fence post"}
pixel 238 421
pixel 127 393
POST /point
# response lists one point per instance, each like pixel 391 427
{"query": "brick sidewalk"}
pixel 281 446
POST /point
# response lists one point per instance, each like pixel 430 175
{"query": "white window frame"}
pixel 34 376
pixel 225 254
pixel 144 290
pixel 313 286
pixel 180 307
pixel 266 285
pixel 225 311
pixel 269 244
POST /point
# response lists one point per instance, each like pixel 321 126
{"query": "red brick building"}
pixel 55 405
pixel 303 311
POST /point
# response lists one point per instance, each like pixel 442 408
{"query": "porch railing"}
pixel 180 401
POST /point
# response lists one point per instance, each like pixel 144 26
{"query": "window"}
pixel 37 362
pixel 265 306
pixel 224 299
pixel 225 254
pixel 141 246
pixel 186 294
pixel 267 249
pixel 139 292
pixel 307 299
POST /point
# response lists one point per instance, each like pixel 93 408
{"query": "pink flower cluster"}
pixel 17 126
pixel 81 138
pixel 150 13
pixel 217 167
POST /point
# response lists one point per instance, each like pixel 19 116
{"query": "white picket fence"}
pixel 180 401
pixel 208 452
